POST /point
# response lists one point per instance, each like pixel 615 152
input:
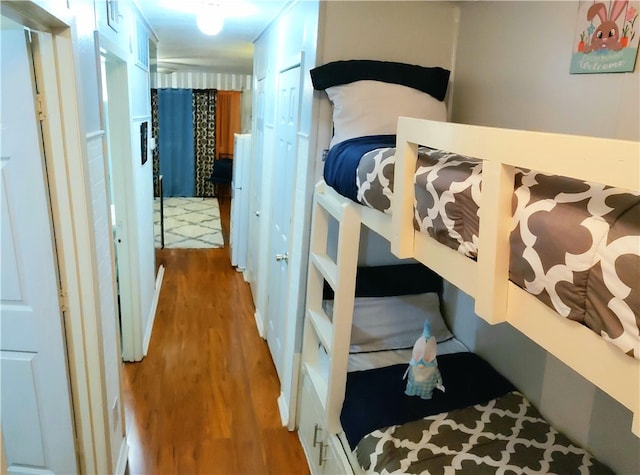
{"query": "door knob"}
pixel 257 213
pixel 282 257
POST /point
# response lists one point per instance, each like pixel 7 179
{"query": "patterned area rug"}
pixel 189 223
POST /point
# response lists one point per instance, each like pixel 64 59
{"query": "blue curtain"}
pixel 175 141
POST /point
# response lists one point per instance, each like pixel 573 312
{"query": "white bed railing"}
pixel 613 162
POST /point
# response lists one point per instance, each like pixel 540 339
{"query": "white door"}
pixel 255 190
pixel 285 164
pixel 238 240
pixel 36 408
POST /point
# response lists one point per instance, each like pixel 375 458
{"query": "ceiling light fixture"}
pixel 210 19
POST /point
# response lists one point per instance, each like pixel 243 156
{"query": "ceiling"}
pixel 182 47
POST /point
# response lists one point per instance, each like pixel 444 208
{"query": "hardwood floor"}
pixel 203 401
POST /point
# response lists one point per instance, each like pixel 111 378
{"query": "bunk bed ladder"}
pixel 326 341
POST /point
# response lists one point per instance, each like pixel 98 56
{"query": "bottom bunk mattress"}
pixel 479 424
pixel 504 435
pixel 574 244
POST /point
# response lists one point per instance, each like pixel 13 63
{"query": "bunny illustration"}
pixel 606 36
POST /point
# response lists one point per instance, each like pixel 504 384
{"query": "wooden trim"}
pixel 454 54
pixel 152 312
pixel 292 62
pixel 123 457
pixel 63 138
pixel 95 135
pixel 495 228
pixel 120 145
pixel 83 250
pixel 582 156
pixel 259 323
pixel 4 470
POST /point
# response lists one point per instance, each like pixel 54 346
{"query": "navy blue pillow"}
pixel 432 80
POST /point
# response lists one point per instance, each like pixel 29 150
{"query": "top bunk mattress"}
pixel 575 245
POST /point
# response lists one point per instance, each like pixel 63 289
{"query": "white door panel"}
pixel 24 441
pixel 255 189
pixel 35 404
pixel 285 160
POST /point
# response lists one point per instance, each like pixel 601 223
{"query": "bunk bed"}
pixel 482 270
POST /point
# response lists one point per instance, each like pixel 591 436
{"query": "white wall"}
pixel 404 31
pixel 122 41
pixel 128 40
pixel 108 304
pixel 91 113
pixel 512 71
pixel 140 107
pixel 246 101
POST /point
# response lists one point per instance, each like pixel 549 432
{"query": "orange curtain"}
pixel 228 110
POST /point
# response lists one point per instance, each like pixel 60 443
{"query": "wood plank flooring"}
pixel 203 401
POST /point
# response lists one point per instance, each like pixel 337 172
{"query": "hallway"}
pixel 203 401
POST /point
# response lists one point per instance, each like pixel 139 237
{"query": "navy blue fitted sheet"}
pixel 375 398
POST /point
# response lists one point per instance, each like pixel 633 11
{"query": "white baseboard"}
pixel 152 313
pixel 283 407
pixel 259 323
pixel 122 457
pixel 295 381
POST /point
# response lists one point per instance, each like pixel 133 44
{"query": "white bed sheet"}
pixel 378 359
pixel 382 323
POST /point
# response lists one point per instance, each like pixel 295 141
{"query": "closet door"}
pixel 37 420
pixel 284 163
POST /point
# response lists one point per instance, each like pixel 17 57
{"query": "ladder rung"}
pixel 327 268
pixel 323 328
pixel 334 206
pixel 319 383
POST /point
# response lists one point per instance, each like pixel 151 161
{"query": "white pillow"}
pixel 372 107
pixel 389 323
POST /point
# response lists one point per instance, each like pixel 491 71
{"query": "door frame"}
pixel 254 254
pixel 117 126
pixel 65 143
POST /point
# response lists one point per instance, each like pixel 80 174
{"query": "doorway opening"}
pixel 114 82
pixel 195 130
pixel 112 209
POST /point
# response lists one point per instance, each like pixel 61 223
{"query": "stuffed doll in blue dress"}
pixel 423 372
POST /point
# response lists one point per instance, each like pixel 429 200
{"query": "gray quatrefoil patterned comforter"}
pixel 574 244
pixel 505 435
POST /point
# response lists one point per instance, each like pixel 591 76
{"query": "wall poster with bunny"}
pixel 606 38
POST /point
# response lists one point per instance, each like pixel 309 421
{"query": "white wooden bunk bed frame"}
pixel 485 280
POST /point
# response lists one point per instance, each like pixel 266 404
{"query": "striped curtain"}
pixel 204 131
pixel 204 139
pixel 154 133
